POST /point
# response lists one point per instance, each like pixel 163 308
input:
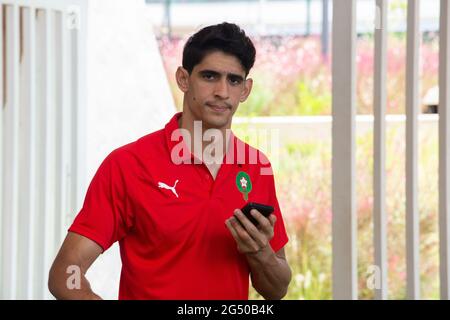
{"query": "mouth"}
pixel 218 108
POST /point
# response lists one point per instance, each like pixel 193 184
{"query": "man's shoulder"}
pixel 141 148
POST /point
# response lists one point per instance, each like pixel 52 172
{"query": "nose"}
pixel 221 89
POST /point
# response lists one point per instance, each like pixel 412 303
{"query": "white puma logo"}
pixel 165 186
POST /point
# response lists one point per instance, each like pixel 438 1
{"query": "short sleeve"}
pixel 280 237
pixel 103 217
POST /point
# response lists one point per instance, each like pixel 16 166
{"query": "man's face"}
pixel 214 89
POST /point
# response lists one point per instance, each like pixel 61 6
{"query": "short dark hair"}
pixel 226 37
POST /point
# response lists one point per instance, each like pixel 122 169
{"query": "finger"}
pixel 243 237
pixel 246 223
pixel 251 229
pixel 232 230
pixel 243 246
pixel 264 223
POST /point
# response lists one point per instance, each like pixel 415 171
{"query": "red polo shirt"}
pixel 169 219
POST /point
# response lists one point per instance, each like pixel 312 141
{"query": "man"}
pixel 173 203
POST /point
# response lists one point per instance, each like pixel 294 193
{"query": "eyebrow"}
pixel 216 73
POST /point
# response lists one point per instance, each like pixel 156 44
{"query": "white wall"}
pixel 127 97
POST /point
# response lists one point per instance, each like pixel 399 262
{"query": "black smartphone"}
pixel 264 209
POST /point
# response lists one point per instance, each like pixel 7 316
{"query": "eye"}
pixel 235 81
pixel 208 76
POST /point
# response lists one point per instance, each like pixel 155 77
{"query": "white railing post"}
pixel 62 125
pixel 50 142
pixel 27 172
pixel 344 231
pixel 379 182
pixel 412 111
pixel 1 151
pixel 11 154
pixel 444 149
pixel 40 152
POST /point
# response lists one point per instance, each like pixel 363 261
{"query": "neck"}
pixel 186 121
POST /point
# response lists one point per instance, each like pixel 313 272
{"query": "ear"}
pixel 182 77
pixel 247 89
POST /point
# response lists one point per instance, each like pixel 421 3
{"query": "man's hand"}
pixel 269 270
pixel 251 239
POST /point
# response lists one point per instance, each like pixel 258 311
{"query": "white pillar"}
pixel 444 149
pixel 344 145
